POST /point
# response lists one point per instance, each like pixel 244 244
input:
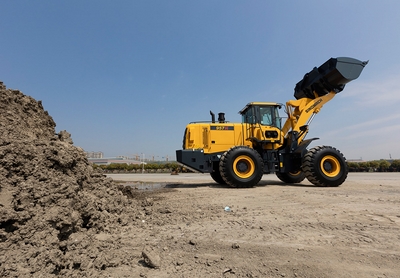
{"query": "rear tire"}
pixel 216 174
pixel 325 166
pixel 241 167
pixel 296 177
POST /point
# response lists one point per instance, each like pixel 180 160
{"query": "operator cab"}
pixel 264 113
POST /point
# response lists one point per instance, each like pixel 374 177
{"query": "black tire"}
pixel 241 167
pixel 296 177
pixel 216 174
pixel 184 140
pixel 325 166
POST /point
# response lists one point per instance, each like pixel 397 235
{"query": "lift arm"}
pixel 301 112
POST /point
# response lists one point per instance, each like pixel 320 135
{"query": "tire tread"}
pixel 224 164
pixel 311 171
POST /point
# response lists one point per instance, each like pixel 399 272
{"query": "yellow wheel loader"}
pixel 238 154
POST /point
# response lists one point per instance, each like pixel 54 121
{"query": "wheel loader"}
pixel 239 154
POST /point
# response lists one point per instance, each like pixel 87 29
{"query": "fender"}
pixel 302 148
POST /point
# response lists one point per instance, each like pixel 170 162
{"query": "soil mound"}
pixel 52 202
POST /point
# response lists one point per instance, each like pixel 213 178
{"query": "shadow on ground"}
pixel 216 185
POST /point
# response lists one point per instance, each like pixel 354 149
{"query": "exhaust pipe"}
pixel 212 117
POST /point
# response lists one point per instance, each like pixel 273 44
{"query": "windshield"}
pixel 269 116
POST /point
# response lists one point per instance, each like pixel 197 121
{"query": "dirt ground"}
pixel 272 230
pixel 61 218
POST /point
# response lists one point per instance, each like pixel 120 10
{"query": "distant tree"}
pixel 353 166
pixel 395 165
pixel 364 166
pixel 171 166
pixel 137 168
pixel 383 165
pixel 151 167
pixel 374 165
pixel 133 168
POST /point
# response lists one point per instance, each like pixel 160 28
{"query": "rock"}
pixel 65 136
pixel 151 258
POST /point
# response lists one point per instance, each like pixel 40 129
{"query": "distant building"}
pixel 112 160
pixel 99 159
pixel 94 154
pixel 355 160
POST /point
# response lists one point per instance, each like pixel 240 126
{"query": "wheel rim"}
pixel 295 174
pixel 330 166
pixel 243 166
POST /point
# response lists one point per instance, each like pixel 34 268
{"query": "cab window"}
pixel 248 116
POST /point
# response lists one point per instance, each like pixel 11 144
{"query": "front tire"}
pixel 241 167
pixel 296 177
pixel 325 166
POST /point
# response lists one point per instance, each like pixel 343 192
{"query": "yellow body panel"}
pixel 213 137
pixel 220 137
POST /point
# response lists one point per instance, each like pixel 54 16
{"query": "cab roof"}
pixel 248 105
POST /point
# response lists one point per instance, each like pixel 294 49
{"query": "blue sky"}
pixel 125 77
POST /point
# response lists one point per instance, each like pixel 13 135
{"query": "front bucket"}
pixel 330 76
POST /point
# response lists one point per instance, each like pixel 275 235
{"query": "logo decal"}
pixel 217 127
pixel 315 104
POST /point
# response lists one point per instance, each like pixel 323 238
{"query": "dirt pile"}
pixel 52 202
